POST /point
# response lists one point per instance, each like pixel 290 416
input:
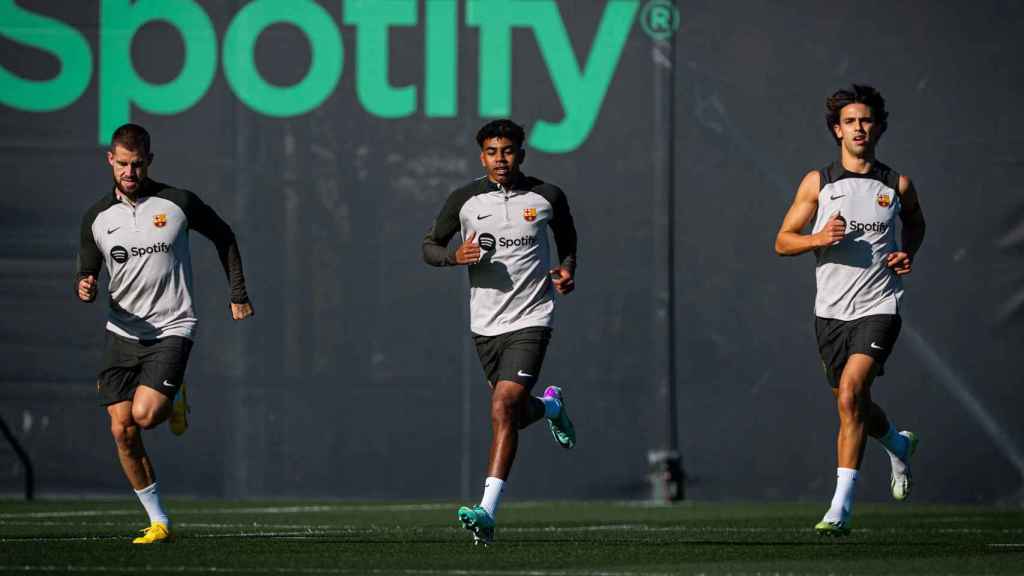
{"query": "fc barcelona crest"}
pixel 529 214
pixel 884 199
pixel 160 220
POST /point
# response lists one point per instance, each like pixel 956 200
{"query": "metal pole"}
pixel 465 392
pixel 666 469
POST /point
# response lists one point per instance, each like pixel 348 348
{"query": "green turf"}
pixel 540 539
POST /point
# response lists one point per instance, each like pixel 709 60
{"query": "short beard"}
pixel 138 187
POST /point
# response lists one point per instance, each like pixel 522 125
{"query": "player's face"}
pixel 857 129
pixel 130 168
pixel 501 159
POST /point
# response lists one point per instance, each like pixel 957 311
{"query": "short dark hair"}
pixel 857 94
pixel 130 137
pixel 503 128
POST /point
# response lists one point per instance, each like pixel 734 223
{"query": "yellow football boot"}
pixel 157 533
pixel 179 415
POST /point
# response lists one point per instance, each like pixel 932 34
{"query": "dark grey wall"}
pixel 356 377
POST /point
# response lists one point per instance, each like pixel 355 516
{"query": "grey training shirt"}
pixel 509 287
pixel 145 247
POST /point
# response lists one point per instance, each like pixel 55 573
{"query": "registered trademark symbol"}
pixel 660 19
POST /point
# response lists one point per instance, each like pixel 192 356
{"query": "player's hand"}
pixel 241 311
pixel 87 288
pixel 469 252
pixel 898 262
pixel 562 280
pixel 833 231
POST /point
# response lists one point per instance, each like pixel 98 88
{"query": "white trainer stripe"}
pixel 292 570
pixel 261 510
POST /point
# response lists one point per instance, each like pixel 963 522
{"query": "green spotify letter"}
pixel 441 68
pixel 372 18
pixel 324 68
pixel 56 37
pixel 495 18
pixel 581 90
pixel 120 84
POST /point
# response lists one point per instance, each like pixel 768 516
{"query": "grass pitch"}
pixel 538 539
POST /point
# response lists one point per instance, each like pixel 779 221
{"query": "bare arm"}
pixel 912 217
pixel 791 240
pixel 912 235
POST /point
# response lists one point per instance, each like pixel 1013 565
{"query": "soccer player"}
pixel 502 218
pixel 854 204
pixel 140 231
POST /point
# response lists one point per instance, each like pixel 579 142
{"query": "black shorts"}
pixel 871 335
pixel 515 356
pixel 157 364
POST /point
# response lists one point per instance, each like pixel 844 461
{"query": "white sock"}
pixel 150 499
pixel 842 500
pixel 551 406
pixel 493 487
pixel 897 445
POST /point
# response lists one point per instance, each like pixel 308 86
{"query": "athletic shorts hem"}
pixel 156 364
pixel 874 336
pixel 513 356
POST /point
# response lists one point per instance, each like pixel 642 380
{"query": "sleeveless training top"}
pixel 852 278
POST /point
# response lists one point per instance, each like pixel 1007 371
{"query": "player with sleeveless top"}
pixel 853 204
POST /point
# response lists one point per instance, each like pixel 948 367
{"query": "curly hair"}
pixel 503 128
pixel 857 94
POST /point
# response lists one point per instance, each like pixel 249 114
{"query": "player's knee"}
pixel 144 417
pixel 504 410
pixel 119 432
pixel 124 434
pixel 149 422
pixel 850 402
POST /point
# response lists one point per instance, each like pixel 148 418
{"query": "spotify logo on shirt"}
pixel 119 254
pixel 486 241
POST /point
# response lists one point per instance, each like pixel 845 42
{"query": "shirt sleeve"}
pixel 564 230
pixel 90 260
pixel 204 220
pixel 435 244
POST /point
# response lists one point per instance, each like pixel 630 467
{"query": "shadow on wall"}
pixel 1010 314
